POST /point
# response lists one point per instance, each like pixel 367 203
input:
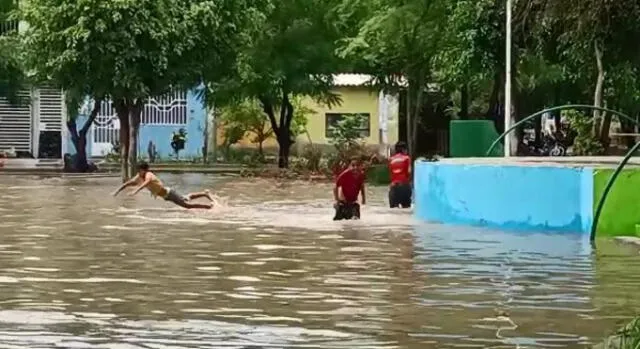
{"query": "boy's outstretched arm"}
pixel 141 186
pixel 128 183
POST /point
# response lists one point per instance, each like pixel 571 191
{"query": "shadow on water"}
pixel 81 269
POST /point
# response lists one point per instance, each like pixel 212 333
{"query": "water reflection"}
pixel 84 270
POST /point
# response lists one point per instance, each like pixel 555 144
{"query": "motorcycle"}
pixel 551 146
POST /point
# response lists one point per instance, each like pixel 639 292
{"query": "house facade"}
pixel 379 110
pixel 161 117
pixel 36 129
pixel 33 129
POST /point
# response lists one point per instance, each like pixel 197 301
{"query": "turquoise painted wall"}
pixel 161 135
pixel 505 197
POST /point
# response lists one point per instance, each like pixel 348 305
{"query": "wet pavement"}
pixel 81 269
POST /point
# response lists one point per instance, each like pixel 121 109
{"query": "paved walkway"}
pixel 565 161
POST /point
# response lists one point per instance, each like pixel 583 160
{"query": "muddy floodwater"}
pixel 82 269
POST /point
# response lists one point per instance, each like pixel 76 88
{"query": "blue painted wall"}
pixel 505 197
pixel 161 135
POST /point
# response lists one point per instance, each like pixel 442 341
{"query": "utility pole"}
pixel 507 83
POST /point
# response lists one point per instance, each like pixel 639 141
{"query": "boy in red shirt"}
pixel 400 171
pixel 349 184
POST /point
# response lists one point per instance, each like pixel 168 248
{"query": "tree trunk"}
pixel 464 102
pixel 79 137
pixel 205 145
pixel 284 149
pixel 80 162
pixel 122 110
pixel 260 149
pixel 493 112
pixel 283 130
pixel 597 97
pixel 408 119
pixel 415 119
pixel 514 137
pixel 134 127
pixel 538 130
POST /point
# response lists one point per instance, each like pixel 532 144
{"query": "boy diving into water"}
pixel 146 179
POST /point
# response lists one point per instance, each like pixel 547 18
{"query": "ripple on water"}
pixel 381 282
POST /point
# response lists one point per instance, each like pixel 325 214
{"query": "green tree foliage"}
pixel 242 118
pixel 247 118
pixel 12 78
pixel 130 50
pixel 563 52
pixel 293 54
pixel 397 40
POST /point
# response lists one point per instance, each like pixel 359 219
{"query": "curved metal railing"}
pixel 562 107
pixel 616 173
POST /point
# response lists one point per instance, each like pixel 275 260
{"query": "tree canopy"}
pixel 12 76
pixel 276 51
pixel 130 50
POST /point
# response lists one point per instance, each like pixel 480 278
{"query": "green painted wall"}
pixel 472 138
pixel 621 211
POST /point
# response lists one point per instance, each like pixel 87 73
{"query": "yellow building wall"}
pixel 356 100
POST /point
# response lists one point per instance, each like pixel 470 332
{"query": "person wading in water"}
pixel 349 184
pixel 400 172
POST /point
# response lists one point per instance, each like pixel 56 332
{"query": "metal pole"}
pixel 507 83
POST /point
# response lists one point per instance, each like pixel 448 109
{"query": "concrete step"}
pixel 49 163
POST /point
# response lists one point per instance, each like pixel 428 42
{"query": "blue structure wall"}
pixel 532 198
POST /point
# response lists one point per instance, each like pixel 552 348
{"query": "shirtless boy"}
pixel 146 179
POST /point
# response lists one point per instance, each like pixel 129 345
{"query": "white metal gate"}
pixel 106 129
pixel 15 125
pixel 50 109
pixel 168 110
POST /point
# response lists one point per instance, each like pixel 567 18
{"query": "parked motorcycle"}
pixel 551 146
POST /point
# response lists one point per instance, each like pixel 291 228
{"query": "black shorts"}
pixel 347 210
pixel 400 195
pixel 176 198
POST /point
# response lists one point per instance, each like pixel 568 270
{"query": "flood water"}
pixel 81 269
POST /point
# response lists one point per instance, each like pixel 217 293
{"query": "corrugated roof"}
pixel 351 79
pixel 356 79
pixel 364 79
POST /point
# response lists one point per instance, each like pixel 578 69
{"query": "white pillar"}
pixel 507 87
pixel 35 122
pixel 64 132
pixel 383 120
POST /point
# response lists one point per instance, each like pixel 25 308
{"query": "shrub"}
pixel 585 143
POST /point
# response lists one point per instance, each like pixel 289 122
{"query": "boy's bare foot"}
pixel 209 196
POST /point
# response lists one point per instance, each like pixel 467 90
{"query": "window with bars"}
pixel 8 27
pixel 170 109
pixel 7 24
pixel 332 120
